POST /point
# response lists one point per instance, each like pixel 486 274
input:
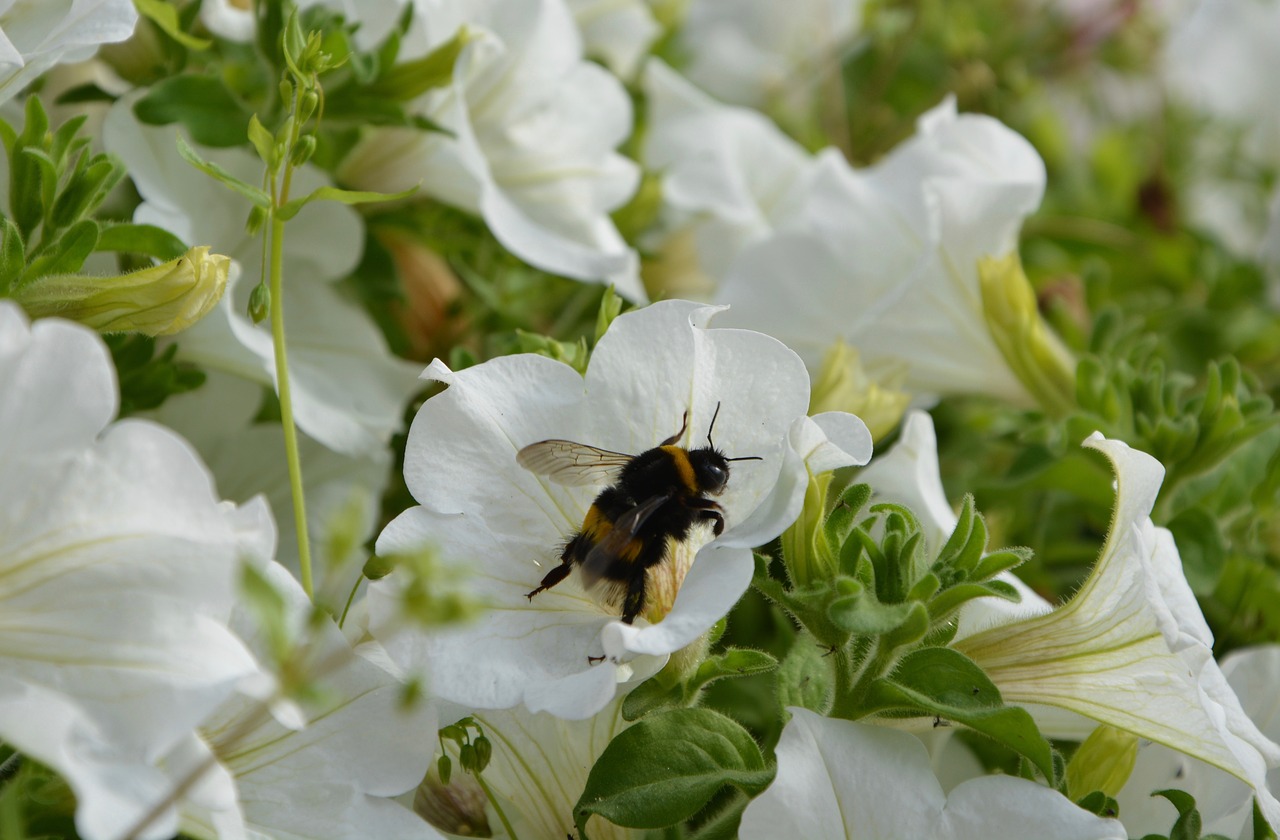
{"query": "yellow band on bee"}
pixel 684 468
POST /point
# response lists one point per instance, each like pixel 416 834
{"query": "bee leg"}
pixel 684 424
pixel 708 511
pixel 554 576
pixel 633 603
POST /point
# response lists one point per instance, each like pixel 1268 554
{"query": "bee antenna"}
pixel 746 458
pixel 712 426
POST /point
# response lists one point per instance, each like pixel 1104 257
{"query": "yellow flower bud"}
pixel 842 384
pixel 160 300
pixel 1103 762
pixel 1034 353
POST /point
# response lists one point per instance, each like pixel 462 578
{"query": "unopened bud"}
pixel 303 150
pixel 161 300
pixel 257 218
pixel 842 384
pixel 1033 352
pixel 307 104
pixel 259 303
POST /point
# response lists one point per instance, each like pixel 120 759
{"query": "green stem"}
pixel 493 800
pixel 286 400
pixel 282 366
pixel 351 597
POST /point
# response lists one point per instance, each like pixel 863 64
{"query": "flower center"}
pixel 662 582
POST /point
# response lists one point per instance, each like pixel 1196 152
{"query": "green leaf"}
pixel 87 190
pixel 201 104
pixel 264 142
pixel 43 178
pixel 1187 826
pixel 734 662
pixel 80 94
pixel 943 682
pixel 165 16
pixel 413 78
pixel 150 240
pixel 1097 802
pixel 292 207
pixel 806 676
pixel 864 615
pixel 254 194
pixel 68 255
pixel 667 767
pixel 1261 830
pixel 147 380
pixel 12 255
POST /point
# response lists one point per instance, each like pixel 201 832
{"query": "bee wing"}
pixel 572 464
pixel 603 553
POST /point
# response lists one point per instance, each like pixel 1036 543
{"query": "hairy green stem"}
pixel 282 367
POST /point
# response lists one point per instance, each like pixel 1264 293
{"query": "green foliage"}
pixel 667 767
pixel 201 104
pixel 883 613
pixel 147 379
pixel 56 183
pixel 1187 826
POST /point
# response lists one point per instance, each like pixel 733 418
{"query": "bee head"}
pixel 710 466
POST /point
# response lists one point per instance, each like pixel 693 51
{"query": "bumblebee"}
pixel 652 501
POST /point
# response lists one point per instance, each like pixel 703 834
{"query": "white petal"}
pixel 840 779
pixel 37 35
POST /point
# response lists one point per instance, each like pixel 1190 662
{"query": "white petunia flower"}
pixel 330 779
pixel 540 766
pixel 534 128
pixel 887 258
pixel 841 779
pixel 118 572
pixel 619 32
pixel 1131 648
pixel 348 389
pixel 506 525
pixel 1225 803
pixel 908 475
pixel 37 34
pixel 728 174
pixel 762 53
pixel 247 459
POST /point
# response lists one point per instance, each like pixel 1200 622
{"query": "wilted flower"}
pixel 507 525
pixel 838 778
pixel 161 300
